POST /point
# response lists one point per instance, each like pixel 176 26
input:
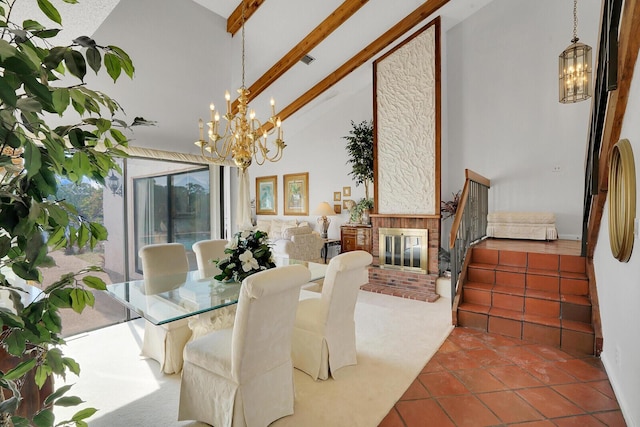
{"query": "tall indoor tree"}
pixel 35 87
pixel 360 153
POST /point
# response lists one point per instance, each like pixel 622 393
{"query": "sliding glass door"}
pixel 172 207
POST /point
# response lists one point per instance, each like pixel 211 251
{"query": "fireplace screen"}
pixel 403 249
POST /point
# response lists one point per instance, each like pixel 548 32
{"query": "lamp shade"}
pixel 324 209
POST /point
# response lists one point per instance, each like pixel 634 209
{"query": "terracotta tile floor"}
pixel 481 379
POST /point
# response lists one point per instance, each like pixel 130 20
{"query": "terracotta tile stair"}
pixel 540 297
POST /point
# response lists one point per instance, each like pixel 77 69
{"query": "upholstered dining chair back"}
pixel 206 251
pixel 324 338
pixel 244 376
pixel 162 259
pixel 165 266
pixel 345 274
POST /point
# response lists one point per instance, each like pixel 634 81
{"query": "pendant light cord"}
pixel 575 22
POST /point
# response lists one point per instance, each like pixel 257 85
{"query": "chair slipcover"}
pixel 244 376
pixel 206 251
pixel 324 334
pixel 164 266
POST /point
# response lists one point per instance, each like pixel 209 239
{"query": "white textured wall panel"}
pixel 406 128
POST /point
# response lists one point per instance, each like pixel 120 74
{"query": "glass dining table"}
pixel 187 294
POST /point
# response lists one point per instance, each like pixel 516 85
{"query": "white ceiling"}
pixel 274 29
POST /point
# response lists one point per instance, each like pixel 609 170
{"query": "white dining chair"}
pixel 206 251
pixel 165 266
pixel 324 334
pixel 243 376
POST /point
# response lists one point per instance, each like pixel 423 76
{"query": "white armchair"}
pixel 324 334
pixel 299 243
pixel 163 264
pixel 244 376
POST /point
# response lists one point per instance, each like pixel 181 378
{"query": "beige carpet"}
pixel 395 338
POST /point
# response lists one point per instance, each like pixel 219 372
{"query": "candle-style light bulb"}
pixel 201 126
pixel 227 97
pixel 273 106
pixel 252 114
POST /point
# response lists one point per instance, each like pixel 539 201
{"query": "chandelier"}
pixel 242 138
pixel 575 68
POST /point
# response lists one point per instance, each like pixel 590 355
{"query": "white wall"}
pixel 504 118
pixel 319 148
pixel 619 290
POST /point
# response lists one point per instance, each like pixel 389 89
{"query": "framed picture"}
pixel 337 208
pixel 296 193
pixel 267 195
pixel 346 191
pixel 336 196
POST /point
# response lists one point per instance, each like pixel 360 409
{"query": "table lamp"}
pixel 324 209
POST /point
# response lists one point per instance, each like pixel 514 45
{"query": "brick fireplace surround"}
pixel 406 284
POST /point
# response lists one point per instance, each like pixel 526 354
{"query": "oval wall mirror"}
pixel 622 200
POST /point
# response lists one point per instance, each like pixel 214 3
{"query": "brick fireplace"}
pixel 406 284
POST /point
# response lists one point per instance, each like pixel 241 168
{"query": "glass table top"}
pixel 187 294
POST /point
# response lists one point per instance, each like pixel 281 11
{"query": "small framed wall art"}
pixel 346 191
pixel 296 193
pixel 337 208
pixel 267 195
pixel 336 196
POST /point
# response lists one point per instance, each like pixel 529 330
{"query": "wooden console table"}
pixel 356 237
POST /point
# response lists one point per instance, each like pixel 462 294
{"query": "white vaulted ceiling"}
pixel 185 59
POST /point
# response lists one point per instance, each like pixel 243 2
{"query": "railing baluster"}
pixel 470 222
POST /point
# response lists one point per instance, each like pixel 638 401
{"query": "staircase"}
pixel 539 297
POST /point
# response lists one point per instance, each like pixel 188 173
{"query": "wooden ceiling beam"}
pixel 234 21
pixel 414 18
pixel 313 39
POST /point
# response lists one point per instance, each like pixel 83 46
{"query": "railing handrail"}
pixel 469 176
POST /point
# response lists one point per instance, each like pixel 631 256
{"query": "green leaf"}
pixel 38 89
pixel 113 64
pixel 98 230
pixel 56 394
pixel 25 271
pixel 20 370
pixel 89 298
pixel 75 63
pixel 42 373
pixel 94 283
pixel 76 137
pixel 15 343
pixel 60 298
pixel 94 59
pixel 78 302
pixel 126 63
pixel 60 100
pixel 30 24
pixel 30 105
pixel 5 245
pixel 47 34
pixel 58 215
pixel 72 365
pixel 103 125
pixel 50 11
pixel 118 136
pixel 32 159
pixel 52 321
pixel 44 418
pixel 69 401
pixel 55 57
pixel 8 94
pixel 83 414
pixel 7 50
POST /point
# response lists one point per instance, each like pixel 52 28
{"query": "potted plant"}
pixel 360 153
pixel 362 209
pixel 33 222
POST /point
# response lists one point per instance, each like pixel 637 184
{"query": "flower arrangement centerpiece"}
pixel 249 253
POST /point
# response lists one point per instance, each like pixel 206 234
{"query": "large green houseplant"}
pixel 32 222
pixel 360 153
